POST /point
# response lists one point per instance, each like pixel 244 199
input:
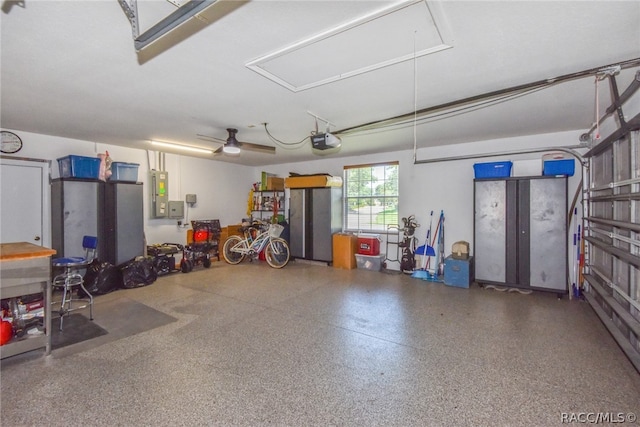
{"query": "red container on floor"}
pixel 368 244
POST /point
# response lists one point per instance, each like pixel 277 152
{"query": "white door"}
pixel 24 202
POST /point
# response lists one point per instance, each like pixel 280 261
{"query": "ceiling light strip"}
pixel 182 147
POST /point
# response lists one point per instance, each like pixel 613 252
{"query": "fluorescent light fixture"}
pixel 182 147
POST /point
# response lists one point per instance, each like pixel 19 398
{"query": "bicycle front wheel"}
pixel 229 254
pixel 277 253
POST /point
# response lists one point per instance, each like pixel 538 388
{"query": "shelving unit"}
pixel 263 204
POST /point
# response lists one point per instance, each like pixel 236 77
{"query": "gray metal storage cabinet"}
pixel 315 214
pixel 76 211
pixel 111 211
pixel 520 232
pixel 123 222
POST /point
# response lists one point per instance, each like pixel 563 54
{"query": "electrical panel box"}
pixel 159 186
pixel 176 209
pixel 191 199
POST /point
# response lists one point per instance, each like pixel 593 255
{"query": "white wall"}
pixel 446 185
pixel 221 188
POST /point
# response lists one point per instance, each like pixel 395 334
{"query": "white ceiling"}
pixel 70 69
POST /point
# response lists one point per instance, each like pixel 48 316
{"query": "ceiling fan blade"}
pixel 231 140
pixel 257 147
pixel 211 138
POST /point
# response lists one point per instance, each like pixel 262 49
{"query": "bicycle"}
pixel 267 238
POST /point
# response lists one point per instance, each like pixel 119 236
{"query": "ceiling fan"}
pixel 233 146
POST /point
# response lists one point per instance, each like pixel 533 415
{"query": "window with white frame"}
pixel 371 196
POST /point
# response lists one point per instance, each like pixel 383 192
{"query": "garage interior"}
pixel 432 88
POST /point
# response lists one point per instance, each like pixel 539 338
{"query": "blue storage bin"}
pixel 121 171
pixel 558 167
pixel 79 167
pixel 458 272
pixel 492 169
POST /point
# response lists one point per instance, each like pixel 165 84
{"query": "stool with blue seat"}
pixel 72 278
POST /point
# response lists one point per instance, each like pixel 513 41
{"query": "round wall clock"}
pixel 11 143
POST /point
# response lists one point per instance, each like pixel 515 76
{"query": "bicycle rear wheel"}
pixel 227 250
pixel 277 253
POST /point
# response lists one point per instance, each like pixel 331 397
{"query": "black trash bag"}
pixel 139 272
pixel 100 278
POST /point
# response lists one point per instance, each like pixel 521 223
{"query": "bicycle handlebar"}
pixel 257 224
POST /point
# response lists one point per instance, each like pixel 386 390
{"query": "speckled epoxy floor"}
pixel 313 345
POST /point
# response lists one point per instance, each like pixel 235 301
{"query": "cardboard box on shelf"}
pixel 275 183
pixel 264 177
pixel 312 181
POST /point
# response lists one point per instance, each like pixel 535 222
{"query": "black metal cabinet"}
pixel 112 211
pixel 520 232
pixel 315 214
pixel 123 222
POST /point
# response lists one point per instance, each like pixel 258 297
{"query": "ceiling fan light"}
pixel 232 146
pixel 231 149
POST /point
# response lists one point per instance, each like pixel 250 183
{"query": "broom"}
pixel 425 250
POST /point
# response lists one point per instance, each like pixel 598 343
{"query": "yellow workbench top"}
pixel 23 250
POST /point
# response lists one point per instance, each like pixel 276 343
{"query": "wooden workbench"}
pixel 25 269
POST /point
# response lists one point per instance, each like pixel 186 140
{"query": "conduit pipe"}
pixel 635 62
pixel 569 149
